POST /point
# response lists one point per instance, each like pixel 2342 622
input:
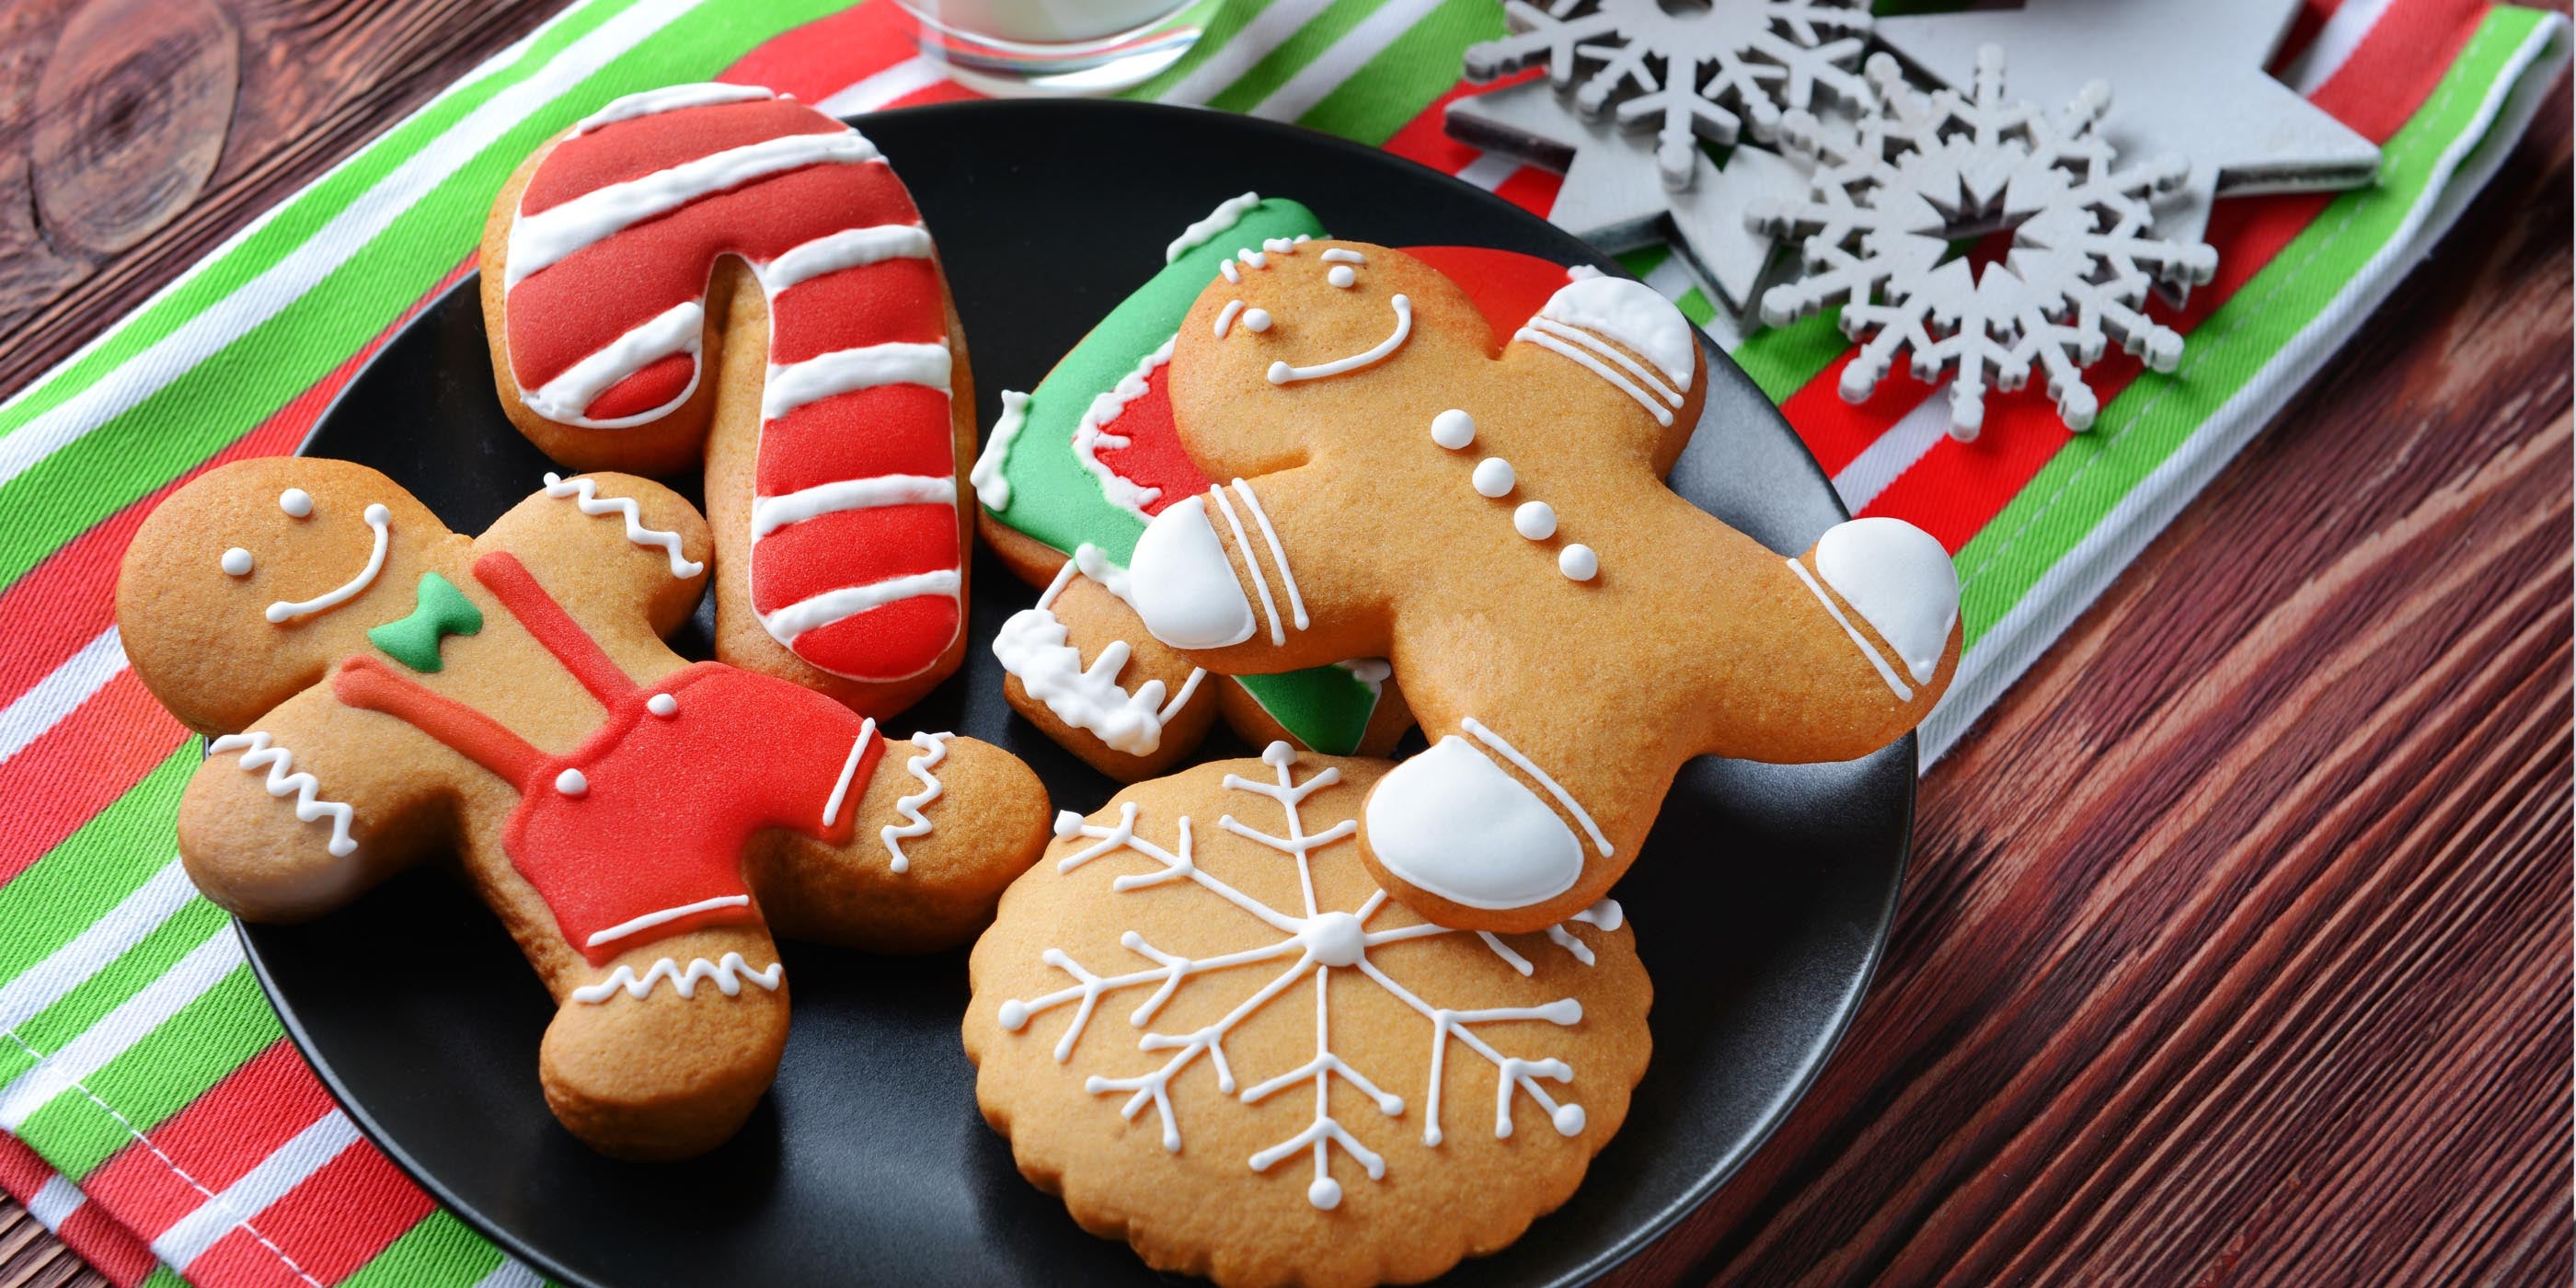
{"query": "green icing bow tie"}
pixel 443 610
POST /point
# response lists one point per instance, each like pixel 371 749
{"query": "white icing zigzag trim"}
pixel 258 752
pixel 934 747
pixel 585 491
pixel 728 974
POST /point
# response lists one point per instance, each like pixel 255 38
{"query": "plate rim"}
pixel 1606 1258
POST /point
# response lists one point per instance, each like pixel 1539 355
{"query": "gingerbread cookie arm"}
pixel 619 541
pixel 1861 634
pixel 1256 576
pixel 943 825
pixel 1083 668
pixel 309 807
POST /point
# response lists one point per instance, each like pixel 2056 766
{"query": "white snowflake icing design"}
pixel 1896 188
pixel 1690 72
pixel 1315 944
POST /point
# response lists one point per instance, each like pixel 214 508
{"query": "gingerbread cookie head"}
pixel 270 570
pixel 1202 1023
pixel 1493 520
pixel 641 824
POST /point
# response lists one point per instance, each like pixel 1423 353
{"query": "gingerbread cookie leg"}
pixel 719 995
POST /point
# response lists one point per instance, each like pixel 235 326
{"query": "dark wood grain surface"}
pixel 2236 949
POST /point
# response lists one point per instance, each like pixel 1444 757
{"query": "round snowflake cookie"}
pixel 1202 1024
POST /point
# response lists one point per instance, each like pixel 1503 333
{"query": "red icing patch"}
pixel 892 300
pixel 1507 287
pixel 873 644
pixel 577 306
pixel 669 803
pixel 650 813
pixel 851 548
pixel 1153 456
pixel 856 435
pixel 659 384
pixel 632 149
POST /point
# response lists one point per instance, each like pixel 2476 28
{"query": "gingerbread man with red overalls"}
pixel 1490 515
pixel 380 690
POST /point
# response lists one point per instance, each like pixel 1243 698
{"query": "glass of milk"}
pixel 1056 46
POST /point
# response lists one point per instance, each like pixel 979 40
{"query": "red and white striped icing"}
pixel 855 547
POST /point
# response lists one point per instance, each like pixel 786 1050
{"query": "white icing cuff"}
pixel 1900 581
pixel 1182 583
pixel 1452 823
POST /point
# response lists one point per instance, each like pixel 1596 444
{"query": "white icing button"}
pixel 297 502
pixel 1578 562
pixel 1535 520
pixel 237 562
pixel 1256 320
pixel 662 704
pixel 571 783
pixel 1184 586
pixel 1900 581
pixel 1493 477
pixel 1453 429
pixel 1453 824
pixel 1341 276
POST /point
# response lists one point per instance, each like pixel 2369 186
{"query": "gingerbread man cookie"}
pixel 1069 478
pixel 380 689
pixel 712 266
pixel 1568 630
pixel 1201 1023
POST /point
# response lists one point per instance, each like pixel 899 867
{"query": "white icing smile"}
pixel 378 518
pixel 1281 373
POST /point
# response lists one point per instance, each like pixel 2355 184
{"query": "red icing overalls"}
pixel 638 833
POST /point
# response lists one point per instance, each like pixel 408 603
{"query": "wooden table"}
pixel 2236 947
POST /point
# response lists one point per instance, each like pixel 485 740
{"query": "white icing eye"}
pixel 1493 477
pixel 236 562
pixel 1342 276
pixel 1453 429
pixel 1256 320
pixel 297 503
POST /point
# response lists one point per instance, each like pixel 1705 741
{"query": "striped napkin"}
pixel 155 1115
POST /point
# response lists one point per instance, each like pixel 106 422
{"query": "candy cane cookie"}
pixel 715 271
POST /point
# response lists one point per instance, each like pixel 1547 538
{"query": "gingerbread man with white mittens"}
pixel 381 689
pixel 1493 520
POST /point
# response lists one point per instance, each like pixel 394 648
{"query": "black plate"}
pixel 1760 906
